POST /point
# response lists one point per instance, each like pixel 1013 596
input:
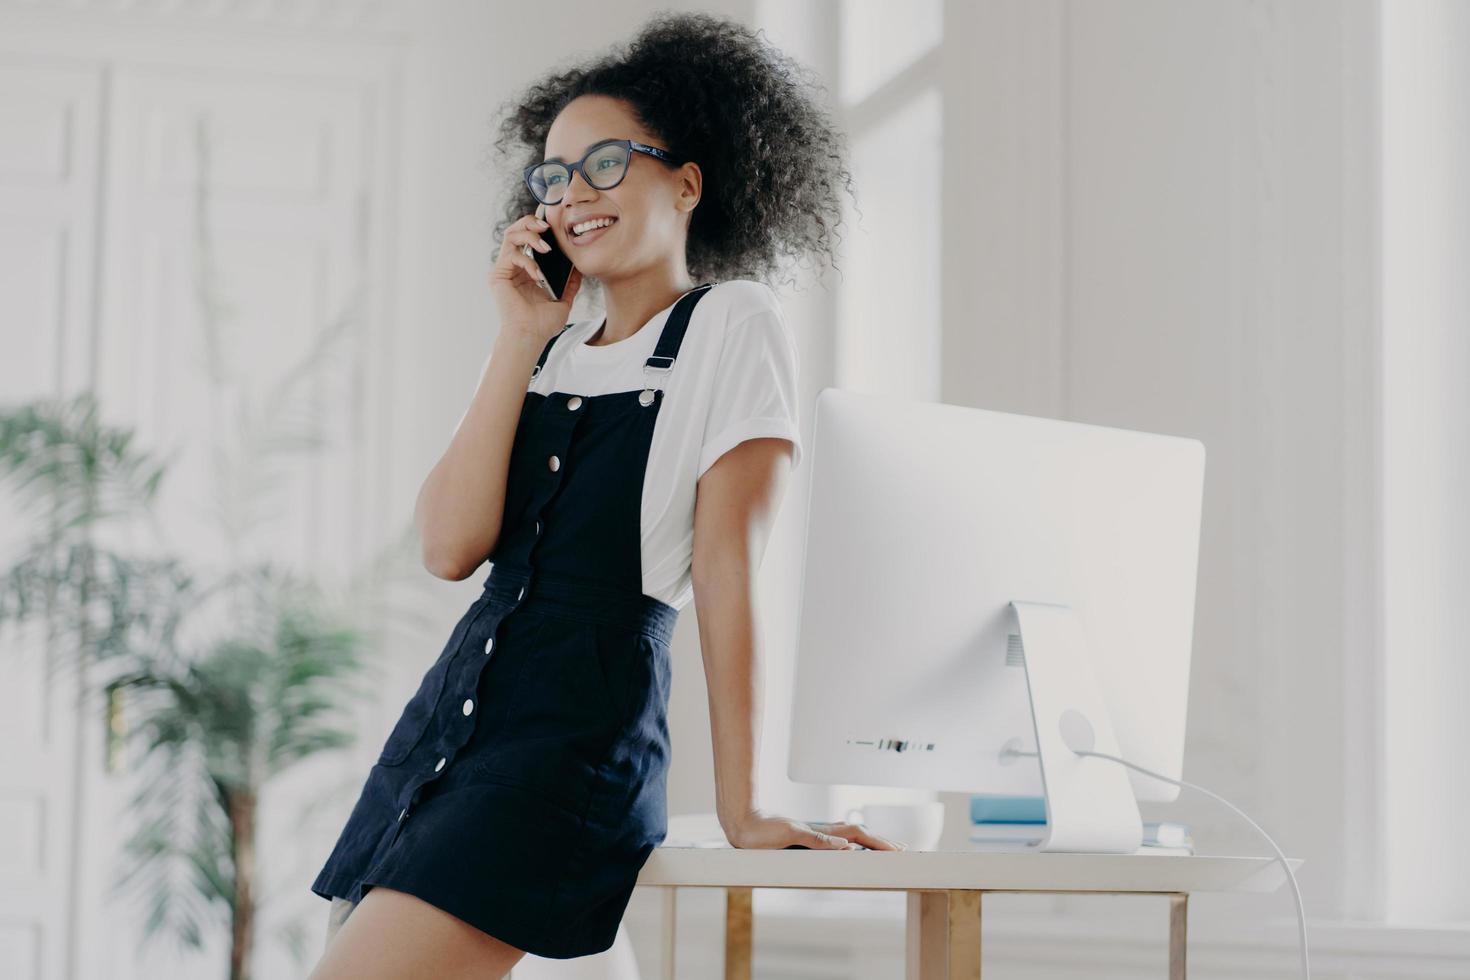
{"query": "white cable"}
pixel 1301 915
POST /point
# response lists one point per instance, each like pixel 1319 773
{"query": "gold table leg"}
pixel 943 935
pixel 737 933
pixel 1178 916
pixel 670 922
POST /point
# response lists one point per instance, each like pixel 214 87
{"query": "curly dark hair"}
pixel 718 94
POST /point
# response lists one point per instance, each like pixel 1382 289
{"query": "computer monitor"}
pixel 976 581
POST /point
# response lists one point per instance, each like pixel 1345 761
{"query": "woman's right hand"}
pixel 515 282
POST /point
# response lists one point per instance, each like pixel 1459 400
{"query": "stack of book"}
pixel 1016 823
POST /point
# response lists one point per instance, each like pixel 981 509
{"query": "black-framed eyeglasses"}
pixel 604 167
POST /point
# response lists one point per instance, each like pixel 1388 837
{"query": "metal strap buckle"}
pixel 645 398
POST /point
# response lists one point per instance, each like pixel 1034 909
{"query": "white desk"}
pixel 944 890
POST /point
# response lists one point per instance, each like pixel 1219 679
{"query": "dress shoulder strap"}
pixel 669 339
pixel 545 351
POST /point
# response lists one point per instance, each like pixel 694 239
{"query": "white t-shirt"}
pixel 735 378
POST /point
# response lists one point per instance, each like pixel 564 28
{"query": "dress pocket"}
pixel 414 720
pixel 610 649
pixel 567 686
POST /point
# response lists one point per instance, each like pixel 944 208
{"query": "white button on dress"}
pixel 469 705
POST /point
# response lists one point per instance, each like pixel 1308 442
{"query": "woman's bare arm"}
pixel 734 508
pixel 462 501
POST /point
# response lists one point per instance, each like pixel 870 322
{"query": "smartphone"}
pixel 555 266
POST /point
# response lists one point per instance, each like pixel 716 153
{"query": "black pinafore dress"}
pixel 523 787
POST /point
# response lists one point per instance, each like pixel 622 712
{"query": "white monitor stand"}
pixel 1089 803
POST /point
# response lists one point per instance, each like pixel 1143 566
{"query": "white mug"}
pixel 917 825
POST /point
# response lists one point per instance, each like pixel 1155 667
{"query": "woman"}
pixel 523 788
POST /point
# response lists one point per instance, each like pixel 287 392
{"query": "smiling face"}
pixel 652 205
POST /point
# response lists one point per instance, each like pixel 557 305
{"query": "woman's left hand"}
pixel 756 828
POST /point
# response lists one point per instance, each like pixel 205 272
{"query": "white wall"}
pixel 1179 207
pixel 1426 473
pixel 1187 193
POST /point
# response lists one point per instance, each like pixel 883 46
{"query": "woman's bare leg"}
pixel 391 935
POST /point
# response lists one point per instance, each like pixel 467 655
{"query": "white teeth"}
pixel 594 223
